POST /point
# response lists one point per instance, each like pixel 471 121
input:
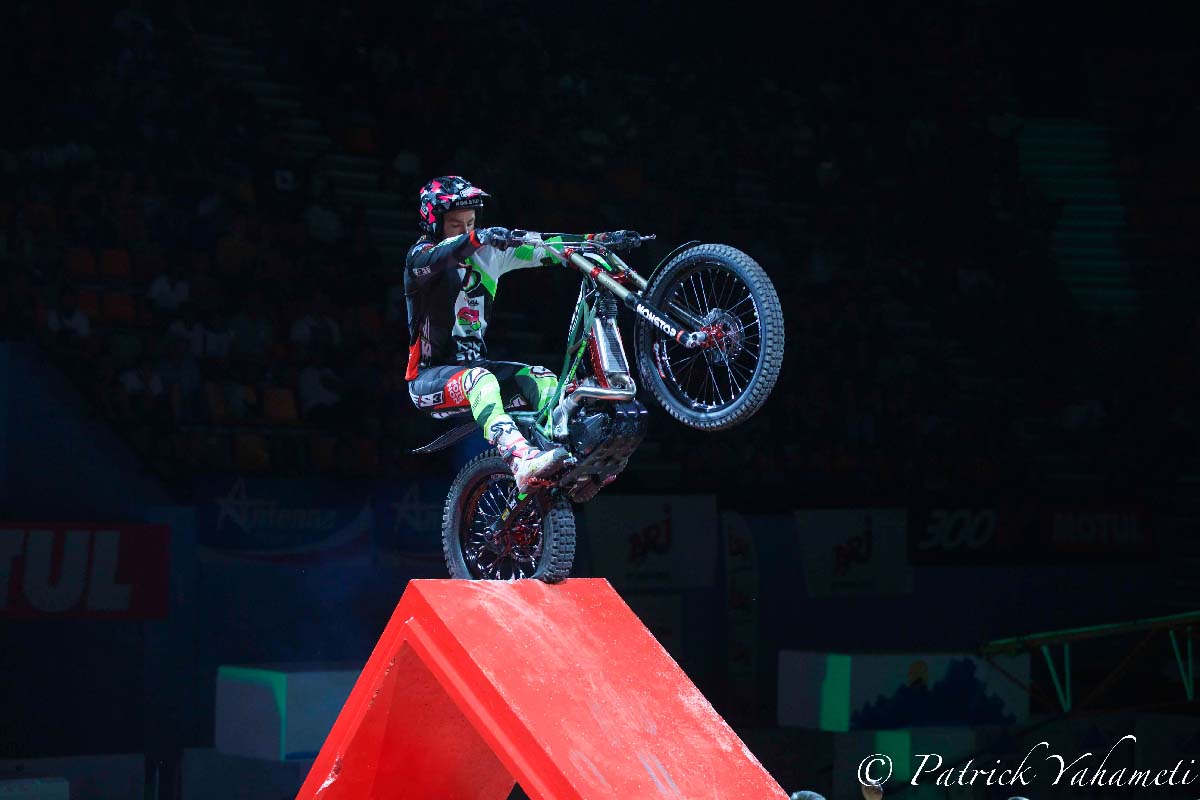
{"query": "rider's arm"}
pixel 526 256
pixel 427 260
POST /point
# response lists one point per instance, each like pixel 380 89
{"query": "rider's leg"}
pixel 487 406
pixel 537 384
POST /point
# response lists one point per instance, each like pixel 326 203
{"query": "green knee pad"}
pixel 483 392
pixel 538 384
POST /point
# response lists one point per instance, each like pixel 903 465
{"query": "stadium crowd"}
pixel 213 294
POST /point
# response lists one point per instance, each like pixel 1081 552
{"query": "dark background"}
pixel 973 320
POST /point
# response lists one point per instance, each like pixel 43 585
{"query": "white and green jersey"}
pixel 449 288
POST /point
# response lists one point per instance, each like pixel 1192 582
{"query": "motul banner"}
pixel 1027 532
pixel 74 570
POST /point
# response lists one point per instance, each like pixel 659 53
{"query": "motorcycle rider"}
pixel 450 282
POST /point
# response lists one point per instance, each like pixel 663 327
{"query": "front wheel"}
pixel 731 298
pixel 539 544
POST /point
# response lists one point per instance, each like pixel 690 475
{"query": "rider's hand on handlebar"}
pixel 618 239
pixel 498 238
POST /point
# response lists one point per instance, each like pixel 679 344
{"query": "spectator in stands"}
pixel 317 329
pixel 141 395
pixel 190 329
pixel 181 378
pixel 280 182
pixel 218 337
pixel 364 385
pixel 320 393
pixel 205 292
pixel 363 258
pixel 18 306
pixel 66 321
pixel 88 220
pixel 236 250
pixel 323 220
pixel 169 290
pixel 253 331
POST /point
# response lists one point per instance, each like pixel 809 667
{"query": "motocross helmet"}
pixel 446 194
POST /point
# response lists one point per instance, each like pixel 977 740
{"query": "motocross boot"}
pixel 528 463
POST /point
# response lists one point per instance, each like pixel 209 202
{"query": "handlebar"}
pixel 632 298
pixel 614 240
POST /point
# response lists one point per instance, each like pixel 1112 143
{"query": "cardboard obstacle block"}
pixel 477 684
pixel 279 712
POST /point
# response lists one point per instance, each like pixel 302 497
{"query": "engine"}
pixel 603 439
pixel 588 430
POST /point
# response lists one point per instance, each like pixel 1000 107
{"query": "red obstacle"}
pixel 477 684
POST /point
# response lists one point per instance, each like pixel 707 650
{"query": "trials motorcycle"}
pixel 709 345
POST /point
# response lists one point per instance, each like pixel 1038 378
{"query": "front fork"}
pixel 634 301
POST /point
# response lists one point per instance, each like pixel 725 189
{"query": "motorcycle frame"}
pixel 610 276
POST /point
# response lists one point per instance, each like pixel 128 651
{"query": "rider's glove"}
pixel 492 237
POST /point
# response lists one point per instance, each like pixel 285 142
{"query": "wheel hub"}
pixel 725 333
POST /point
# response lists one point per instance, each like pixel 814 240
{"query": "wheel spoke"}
pixel 732 382
pixel 701 306
pixel 730 286
pixel 680 296
pixel 712 286
pixel 704 294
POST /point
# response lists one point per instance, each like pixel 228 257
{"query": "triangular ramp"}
pixel 477 684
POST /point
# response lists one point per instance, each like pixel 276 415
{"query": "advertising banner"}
pixel 408 520
pixel 1033 531
pixel 741 607
pixel 50 569
pixel 653 541
pixel 284 520
pixel 842 692
pixel 854 551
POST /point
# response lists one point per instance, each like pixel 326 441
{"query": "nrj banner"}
pixel 653 541
pixel 854 551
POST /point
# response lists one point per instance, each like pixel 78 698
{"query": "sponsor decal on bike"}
pixel 657 321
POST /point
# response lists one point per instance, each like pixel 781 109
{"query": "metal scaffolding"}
pixel 1176 626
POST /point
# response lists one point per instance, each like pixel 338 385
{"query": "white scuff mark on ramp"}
pixel 333 776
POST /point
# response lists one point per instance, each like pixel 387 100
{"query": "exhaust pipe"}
pixel 568 404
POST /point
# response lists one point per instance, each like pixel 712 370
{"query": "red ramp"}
pixel 477 683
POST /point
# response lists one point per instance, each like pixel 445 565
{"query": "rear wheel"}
pixel 540 543
pixel 730 296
